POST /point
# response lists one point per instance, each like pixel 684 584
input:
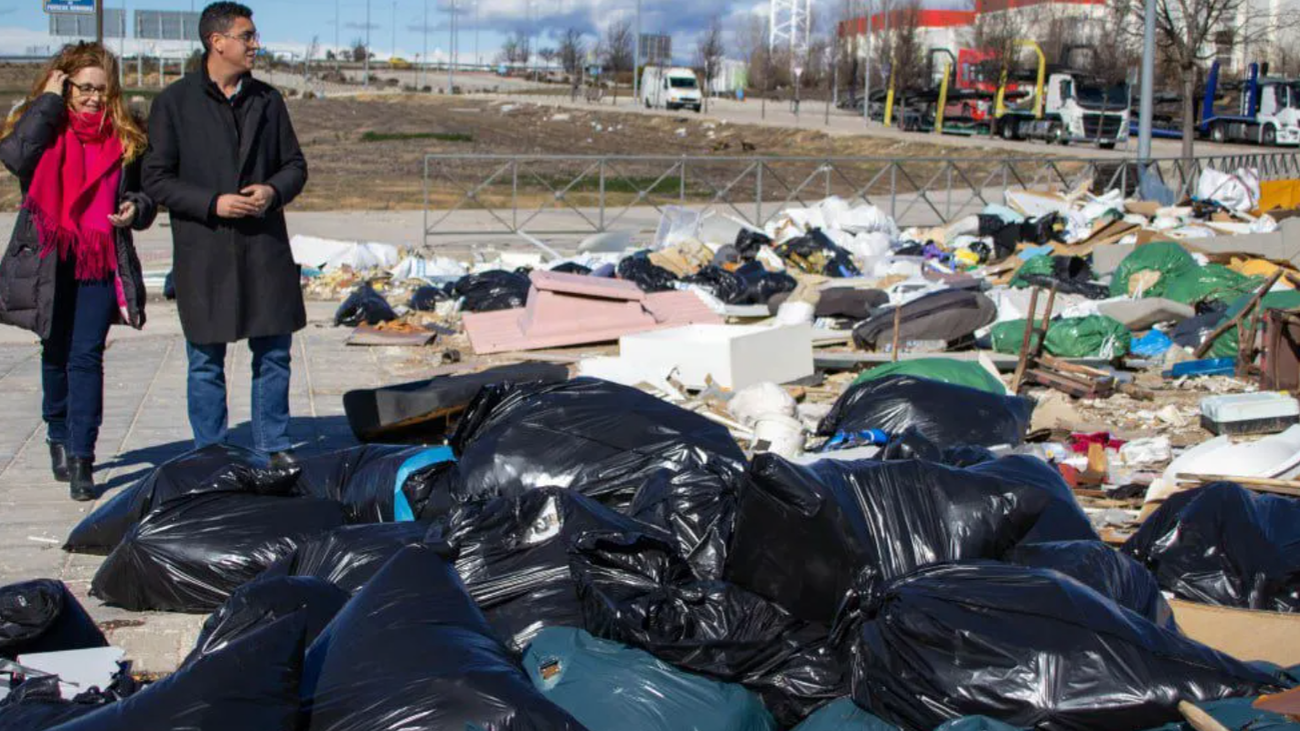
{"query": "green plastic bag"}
pixel 1226 345
pixel 1166 257
pixel 1095 336
pixel 1212 282
pixel 1037 265
pixel 956 372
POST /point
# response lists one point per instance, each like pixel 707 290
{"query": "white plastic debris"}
pixel 1146 452
pixel 754 401
pixel 331 254
pixel 677 225
pixel 1238 191
pixel 416 267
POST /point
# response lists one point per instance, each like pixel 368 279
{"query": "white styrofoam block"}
pixel 735 356
pixel 1248 406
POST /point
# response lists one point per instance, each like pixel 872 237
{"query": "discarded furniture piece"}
pixel 1035 366
pixel 424 406
pixel 1280 366
pixel 734 356
pixel 574 309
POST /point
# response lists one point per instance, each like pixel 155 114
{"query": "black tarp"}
pixel 43 616
pixel 805 534
pixel 1223 544
pixel 190 554
pixel 218 468
pixel 411 650
pixel 1029 647
pixel 945 413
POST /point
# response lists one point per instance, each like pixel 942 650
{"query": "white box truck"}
pixel 670 88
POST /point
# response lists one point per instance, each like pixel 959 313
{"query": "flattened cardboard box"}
pixel 1246 634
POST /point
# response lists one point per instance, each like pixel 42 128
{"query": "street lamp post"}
pixel 424 64
pixel 451 43
pixel 866 69
pixel 636 63
pixel 366 68
pixel 1148 81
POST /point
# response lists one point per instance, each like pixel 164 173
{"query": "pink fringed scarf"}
pixel 73 193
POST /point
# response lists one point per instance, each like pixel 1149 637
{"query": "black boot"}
pixel 82 473
pixel 59 461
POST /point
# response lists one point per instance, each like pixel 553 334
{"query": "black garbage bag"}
pixel 1030 647
pixel 951 315
pixel 944 413
pixel 263 601
pixel 599 438
pixel 912 444
pixel 696 505
pixel 1222 544
pixel 492 290
pixel 815 253
pixel 192 553
pixel 842 522
pixel 364 306
pixel 636 590
pixel 412 648
pixel 37 704
pixel 366 479
pixel 348 557
pixel 749 242
pixel 250 684
pixel 1107 571
pixel 513 555
pixel 570 267
pixel 647 275
pixel 1071 275
pixel 760 285
pixel 718 282
pixel 426 297
pixel 218 468
pixel 43 616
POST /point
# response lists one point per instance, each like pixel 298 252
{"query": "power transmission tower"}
pixel 790 24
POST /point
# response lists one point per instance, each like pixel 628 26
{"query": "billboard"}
pixel 80 25
pixel 656 48
pixel 70 6
pixel 166 25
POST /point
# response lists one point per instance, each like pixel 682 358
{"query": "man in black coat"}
pixel 224 160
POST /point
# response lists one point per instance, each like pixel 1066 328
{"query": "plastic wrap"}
pixel 376 483
pixel 749 242
pixel 263 601
pixel 599 438
pixel 1107 571
pixel 426 298
pixel 650 277
pixel 411 650
pixel 949 315
pixel 1210 282
pixel 43 616
pixel 1165 257
pixel 218 468
pixel 947 370
pixel 1029 647
pixel 946 414
pixel 1222 544
pixel 250 684
pixel 513 555
pixel 815 253
pixel 843 522
pixel 348 557
pixel 718 282
pixel 696 506
pixel 364 306
pixel 492 290
pixel 637 591
pixel 191 554
pixel 605 685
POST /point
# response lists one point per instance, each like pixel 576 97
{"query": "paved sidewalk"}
pixel 145 424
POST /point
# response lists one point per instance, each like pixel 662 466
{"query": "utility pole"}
pixel 866 69
pixel 478 59
pixel 1148 82
pixel 424 58
pixel 451 44
pixel 338 50
pixel 393 55
pixel 366 69
pixel 99 21
pixel 636 64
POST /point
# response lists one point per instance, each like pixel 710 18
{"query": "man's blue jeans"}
pixel 270 402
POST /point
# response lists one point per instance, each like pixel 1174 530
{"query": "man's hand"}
pixel 231 205
pixel 125 215
pixel 261 196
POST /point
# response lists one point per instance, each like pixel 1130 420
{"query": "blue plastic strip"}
pixel 402 512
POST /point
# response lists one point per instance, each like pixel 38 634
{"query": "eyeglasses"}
pixel 90 90
pixel 248 39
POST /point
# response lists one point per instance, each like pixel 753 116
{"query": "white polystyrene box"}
pixel 1249 406
pixel 735 355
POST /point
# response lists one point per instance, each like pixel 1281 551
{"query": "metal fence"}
pixel 576 195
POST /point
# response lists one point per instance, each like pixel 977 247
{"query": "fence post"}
pixel 424 229
pixel 947 205
pixel 514 195
pixel 893 189
pixel 602 195
pixel 758 195
pixel 681 182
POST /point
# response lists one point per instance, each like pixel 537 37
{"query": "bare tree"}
pixel 751 42
pixel 548 55
pixel 573 47
pixel 1190 32
pixel 359 50
pixel 619 47
pixel 710 51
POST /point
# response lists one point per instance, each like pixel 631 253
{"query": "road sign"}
pixel 70 6
pixel 81 25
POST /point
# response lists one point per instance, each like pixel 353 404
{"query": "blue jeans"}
pixel 72 363
pixel 270 402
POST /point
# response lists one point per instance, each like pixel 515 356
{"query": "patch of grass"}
pixel 403 136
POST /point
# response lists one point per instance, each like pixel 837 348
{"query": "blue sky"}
pixel 291 24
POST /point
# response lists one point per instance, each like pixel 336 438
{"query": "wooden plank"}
pixel 1258 484
pixel 843 360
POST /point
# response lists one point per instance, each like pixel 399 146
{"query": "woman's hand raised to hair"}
pixel 54 84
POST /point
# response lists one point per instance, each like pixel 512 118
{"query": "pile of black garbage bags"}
pixel 582 555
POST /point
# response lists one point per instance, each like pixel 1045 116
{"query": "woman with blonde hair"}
pixel 71 270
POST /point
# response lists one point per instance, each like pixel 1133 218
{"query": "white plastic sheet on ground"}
pixel 439 267
pixel 330 254
pixel 1237 191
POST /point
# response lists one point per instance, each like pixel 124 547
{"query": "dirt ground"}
pixel 368 153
